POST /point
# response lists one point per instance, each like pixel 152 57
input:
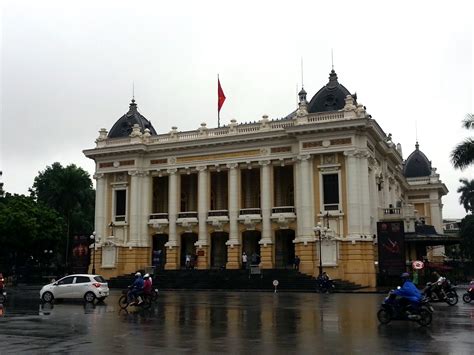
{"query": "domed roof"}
pixel 330 97
pixel 417 164
pixel 123 126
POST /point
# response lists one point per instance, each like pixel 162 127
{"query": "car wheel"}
pixel 384 316
pixel 48 297
pixel 2 299
pixel 89 297
pixel 466 297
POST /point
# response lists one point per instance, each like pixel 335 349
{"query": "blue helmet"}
pixel 405 275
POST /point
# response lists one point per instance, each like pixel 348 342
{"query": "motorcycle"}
pixel 391 309
pixel 469 295
pixel 3 296
pixel 441 291
pixel 324 285
pixel 127 299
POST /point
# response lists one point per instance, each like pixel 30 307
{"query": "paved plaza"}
pixel 229 322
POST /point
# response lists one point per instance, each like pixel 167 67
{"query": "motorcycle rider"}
pixel 410 295
pixel 137 287
pixel 438 285
pixel 147 283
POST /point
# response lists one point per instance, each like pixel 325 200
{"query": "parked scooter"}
pixel 392 309
pixel 441 291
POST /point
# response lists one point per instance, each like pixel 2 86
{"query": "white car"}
pixel 87 287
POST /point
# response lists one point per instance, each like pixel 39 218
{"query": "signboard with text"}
pixel 391 247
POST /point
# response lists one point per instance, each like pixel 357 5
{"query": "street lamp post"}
pixel 322 233
pixel 93 252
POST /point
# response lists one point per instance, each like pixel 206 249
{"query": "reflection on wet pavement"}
pixel 216 322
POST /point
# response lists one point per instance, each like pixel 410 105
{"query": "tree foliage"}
pixel 463 154
pixel 27 228
pixel 467 236
pixel 467 194
pixel 69 191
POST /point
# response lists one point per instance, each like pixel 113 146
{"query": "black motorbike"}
pixel 393 308
pixel 469 295
pixel 127 299
pixel 3 296
pixel 441 292
pixel 324 285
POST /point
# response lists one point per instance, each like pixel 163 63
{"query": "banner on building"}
pixel 80 254
pixel 391 247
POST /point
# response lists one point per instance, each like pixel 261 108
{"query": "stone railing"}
pixel 232 129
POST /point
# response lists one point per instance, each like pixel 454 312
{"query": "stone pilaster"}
pixel 266 201
pixel 134 212
pixel 100 206
pixel 202 206
pixel 233 204
pixel 233 257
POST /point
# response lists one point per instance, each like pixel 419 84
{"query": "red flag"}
pixel 220 96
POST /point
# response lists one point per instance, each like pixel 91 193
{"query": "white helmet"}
pixel 146 275
pixel 138 274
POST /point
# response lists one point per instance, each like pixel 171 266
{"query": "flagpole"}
pixel 218 111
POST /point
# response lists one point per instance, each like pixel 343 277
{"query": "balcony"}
pixel 283 215
pixel 217 218
pixel 187 220
pixel 158 221
pixel 249 217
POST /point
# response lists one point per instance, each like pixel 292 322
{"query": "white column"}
pixel 134 213
pixel 266 201
pixel 373 192
pixel 248 190
pixel 364 194
pixel 299 209
pixel 172 207
pixel 145 208
pixel 306 208
pixel 100 206
pixel 353 210
pixel 233 203
pixel 202 205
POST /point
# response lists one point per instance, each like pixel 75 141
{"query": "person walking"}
pixel 297 263
pixel 244 260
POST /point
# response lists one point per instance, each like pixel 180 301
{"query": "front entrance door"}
pixel 250 244
pixel 188 248
pixel 284 248
pixel 219 249
pixel 158 254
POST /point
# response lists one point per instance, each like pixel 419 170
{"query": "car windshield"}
pixel 99 278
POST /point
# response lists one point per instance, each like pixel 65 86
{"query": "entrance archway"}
pixel 158 253
pixel 187 247
pixel 284 248
pixel 219 249
pixel 250 244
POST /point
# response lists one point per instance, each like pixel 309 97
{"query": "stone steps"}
pixel 288 280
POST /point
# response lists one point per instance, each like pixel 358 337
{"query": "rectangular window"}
pixel 120 205
pixel 331 191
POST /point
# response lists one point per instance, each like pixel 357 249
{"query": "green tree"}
pixel 463 154
pixel 69 191
pixel 467 194
pixel 466 233
pixel 26 229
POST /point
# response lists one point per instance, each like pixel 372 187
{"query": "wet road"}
pixel 231 322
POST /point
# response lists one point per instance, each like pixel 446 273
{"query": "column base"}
pixel 202 253
pixel 234 257
pixel 172 258
pixel 306 252
pixel 266 256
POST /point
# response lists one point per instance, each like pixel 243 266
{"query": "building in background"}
pixel 260 187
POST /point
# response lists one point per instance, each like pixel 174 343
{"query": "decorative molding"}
pixel 98 176
pixel 286 149
pixel 108 164
pixel 307 145
pixel 232 165
pixel 172 171
pixel 158 161
pixel 221 156
pixel 341 141
pixel 201 168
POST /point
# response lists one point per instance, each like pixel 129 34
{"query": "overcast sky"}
pixel 68 69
